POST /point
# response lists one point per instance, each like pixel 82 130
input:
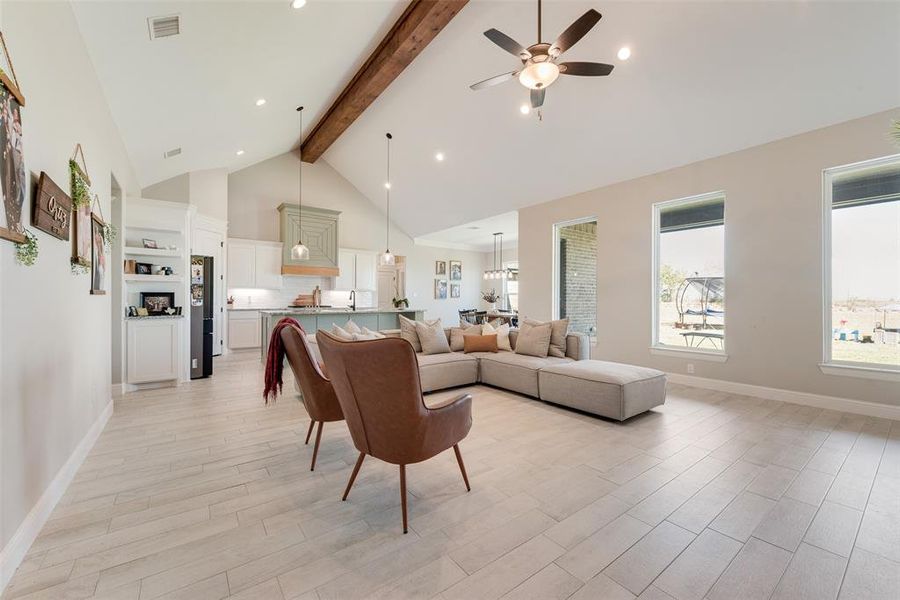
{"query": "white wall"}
pixel 773 258
pixel 206 189
pixel 55 336
pixel 254 194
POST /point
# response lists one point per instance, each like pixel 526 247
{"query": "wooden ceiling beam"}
pixel 420 23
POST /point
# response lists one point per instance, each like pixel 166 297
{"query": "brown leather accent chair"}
pixel 377 384
pixel 317 392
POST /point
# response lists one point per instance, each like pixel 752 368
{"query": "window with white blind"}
pixel 689 274
pixel 862 268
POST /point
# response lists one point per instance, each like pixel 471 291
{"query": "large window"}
pixel 575 274
pixel 862 265
pixel 689 274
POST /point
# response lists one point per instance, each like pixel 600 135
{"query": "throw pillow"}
pixel 359 337
pixel 534 340
pixel 457 334
pixel 408 332
pixel 559 329
pixel 341 333
pixel 351 327
pixel 502 332
pixel 378 335
pixel 480 343
pixel 432 337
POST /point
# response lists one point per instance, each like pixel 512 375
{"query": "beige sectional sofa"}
pixel 603 388
pixel 607 389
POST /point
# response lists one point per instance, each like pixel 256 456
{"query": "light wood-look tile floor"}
pixel 201 492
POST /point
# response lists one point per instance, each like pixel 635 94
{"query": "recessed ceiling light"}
pixel 239 152
pixel 439 156
pixel 524 109
pixel 624 53
pixel 261 101
pixel 473 227
pixel 387 185
pixel 298 3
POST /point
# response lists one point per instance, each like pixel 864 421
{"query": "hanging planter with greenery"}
pixel 81 188
pixel 27 251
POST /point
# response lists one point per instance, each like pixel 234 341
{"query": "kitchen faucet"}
pixel 353 300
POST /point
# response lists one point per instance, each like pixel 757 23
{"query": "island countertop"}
pixel 335 310
pixel 313 319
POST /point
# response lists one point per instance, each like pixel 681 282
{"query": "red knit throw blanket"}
pixel 275 359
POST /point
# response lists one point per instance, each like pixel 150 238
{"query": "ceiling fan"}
pixel 540 66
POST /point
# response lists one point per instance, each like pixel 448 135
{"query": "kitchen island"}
pixel 313 319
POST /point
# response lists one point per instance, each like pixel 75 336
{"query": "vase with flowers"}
pixel 491 298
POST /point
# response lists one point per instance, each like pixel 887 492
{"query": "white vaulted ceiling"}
pixel 198 90
pixel 704 79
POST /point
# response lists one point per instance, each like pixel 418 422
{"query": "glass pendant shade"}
pixel 386 259
pixel 299 252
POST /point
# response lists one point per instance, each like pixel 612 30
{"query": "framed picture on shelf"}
pixel 143 268
pixel 455 270
pixel 98 257
pixel 150 244
pixel 440 267
pixel 440 289
pixel 454 290
pixel 156 303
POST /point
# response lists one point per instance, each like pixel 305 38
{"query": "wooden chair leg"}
pixel 403 494
pixel 359 461
pixel 462 466
pixel 312 467
pixel 309 431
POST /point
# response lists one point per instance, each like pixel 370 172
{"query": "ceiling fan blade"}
pixel 575 32
pixel 585 69
pixel 508 44
pixel 496 79
pixel 537 98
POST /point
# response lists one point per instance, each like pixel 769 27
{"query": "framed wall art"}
pixel 455 270
pixel 12 159
pixel 98 257
pixel 440 267
pixel 52 210
pixel 440 289
pixel 454 290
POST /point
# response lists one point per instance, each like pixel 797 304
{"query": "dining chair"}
pixel 377 384
pixel 317 392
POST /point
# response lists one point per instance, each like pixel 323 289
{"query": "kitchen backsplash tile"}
pixel 257 298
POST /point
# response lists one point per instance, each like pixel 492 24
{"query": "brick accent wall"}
pixel 578 298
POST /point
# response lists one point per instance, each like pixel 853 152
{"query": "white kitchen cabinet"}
pixel 358 270
pixel 254 264
pixel 243 329
pixel 153 350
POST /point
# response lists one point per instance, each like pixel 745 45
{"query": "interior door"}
pixel 211 243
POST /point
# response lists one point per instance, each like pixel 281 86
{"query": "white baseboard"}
pixel 11 556
pixel 861 407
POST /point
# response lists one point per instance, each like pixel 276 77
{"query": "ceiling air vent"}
pixel 161 27
pixel 172 152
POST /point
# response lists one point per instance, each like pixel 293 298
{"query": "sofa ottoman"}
pixel 515 372
pixel 603 388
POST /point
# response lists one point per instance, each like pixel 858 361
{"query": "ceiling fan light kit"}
pixel 540 68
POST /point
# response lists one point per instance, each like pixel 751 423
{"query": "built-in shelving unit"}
pixel 157 350
pixel 153 252
pixel 154 278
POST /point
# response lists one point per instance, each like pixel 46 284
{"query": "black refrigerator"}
pixel 201 316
